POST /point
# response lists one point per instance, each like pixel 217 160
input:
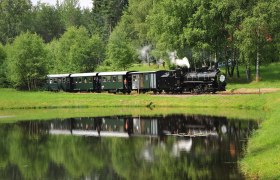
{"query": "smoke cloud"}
pixel 144 53
pixel 178 62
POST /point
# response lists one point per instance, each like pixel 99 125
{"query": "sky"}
pixel 83 3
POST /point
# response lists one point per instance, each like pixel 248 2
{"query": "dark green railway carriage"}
pixel 87 82
pixel 115 81
pixel 57 82
pixel 146 81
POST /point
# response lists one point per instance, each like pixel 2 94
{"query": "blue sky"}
pixel 83 3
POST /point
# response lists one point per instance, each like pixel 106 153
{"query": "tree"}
pixel 120 53
pixel 71 13
pixel 78 52
pixel 3 56
pixel 106 14
pixel 13 18
pixel 26 61
pixel 257 33
pixel 134 21
pixel 52 49
pixel 48 22
pixel 166 22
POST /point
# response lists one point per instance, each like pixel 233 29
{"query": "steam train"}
pixel 204 80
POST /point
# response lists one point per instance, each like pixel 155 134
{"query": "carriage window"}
pixel 108 78
pixel 89 79
pixel 51 81
pixel 104 79
pixel 119 78
pixel 134 78
pixel 85 80
pixel 55 81
pixel 146 77
pixel 67 80
pixel 63 80
pixel 80 80
pixel 114 79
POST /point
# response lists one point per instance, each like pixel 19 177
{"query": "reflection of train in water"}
pixel 204 80
pixel 177 134
pixel 126 126
pixel 189 132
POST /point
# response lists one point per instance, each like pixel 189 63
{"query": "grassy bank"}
pixel 262 160
pixel 12 99
pixel 44 114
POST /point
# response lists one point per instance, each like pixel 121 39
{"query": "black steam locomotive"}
pixel 204 80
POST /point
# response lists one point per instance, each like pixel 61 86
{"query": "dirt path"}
pixel 232 92
pixel 251 91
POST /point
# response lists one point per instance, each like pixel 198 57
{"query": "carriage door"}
pixel 135 81
pixel 141 81
pixel 153 81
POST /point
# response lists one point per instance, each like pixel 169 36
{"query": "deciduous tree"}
pixel 77 51
pixel 13 18
pixel 3 68
pixel 48 22
pixel 26 61
pixel 120 53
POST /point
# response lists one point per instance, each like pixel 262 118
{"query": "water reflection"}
pixel 124 147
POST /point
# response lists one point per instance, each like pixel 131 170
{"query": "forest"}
pixel 36 40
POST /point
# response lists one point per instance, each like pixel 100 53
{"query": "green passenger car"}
pixel 87 82
pixel 115 81
pixel 57 82
pixel 146 81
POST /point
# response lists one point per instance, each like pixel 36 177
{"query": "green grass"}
pixel 270 78
pixel 262 158
pixel 12 99
pixel 45 114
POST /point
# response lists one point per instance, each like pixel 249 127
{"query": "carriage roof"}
pixel 58 75
pixel 84 74
pixel 112 73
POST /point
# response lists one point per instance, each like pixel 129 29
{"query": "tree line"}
pixel 64 38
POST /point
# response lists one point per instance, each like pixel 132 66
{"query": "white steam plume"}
pixel 178 62
pixel 144 53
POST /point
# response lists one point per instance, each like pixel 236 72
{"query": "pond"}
pixel 174 146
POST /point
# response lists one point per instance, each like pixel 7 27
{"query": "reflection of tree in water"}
pixel 130 164
pixel 40 157
pixel 28 151
pixel 25 152
pixel 77 155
